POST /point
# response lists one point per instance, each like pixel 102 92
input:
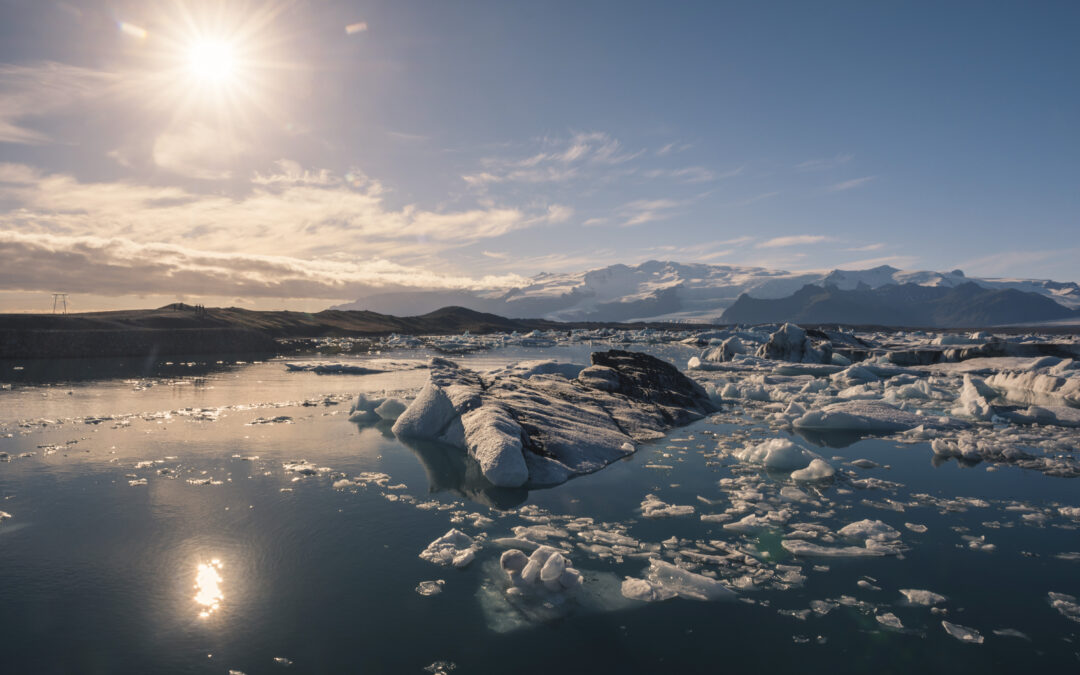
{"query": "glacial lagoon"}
pixel 210 516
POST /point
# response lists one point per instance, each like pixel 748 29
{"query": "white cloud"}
pixel 324 221
pixel 118 266
pixel 796 240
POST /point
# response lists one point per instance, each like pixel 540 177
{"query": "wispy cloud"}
pixel 868 247
pixel 899 261
pixel 758 198
pixel 643 211
pixel 849 184
pixel 33 90
pixel 692 174
pixel 795 240
pixel 826 163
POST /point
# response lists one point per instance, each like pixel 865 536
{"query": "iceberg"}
pixel 547 428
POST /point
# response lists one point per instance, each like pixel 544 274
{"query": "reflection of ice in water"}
pixel 208 587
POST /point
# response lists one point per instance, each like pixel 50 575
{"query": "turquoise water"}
pixel 224 560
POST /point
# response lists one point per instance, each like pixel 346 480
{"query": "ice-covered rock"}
pixel 547 428
pixel 791 343
pixel 664 581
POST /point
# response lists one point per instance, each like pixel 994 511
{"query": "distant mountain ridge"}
pixel 672 291
pixel 966 305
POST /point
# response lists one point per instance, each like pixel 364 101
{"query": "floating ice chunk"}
pixel 871 417
pixel 818 469
pixel 652 507
pixel 454 548
pixel 865 464
pixel 1065 604
pixel 794 494
pixel 363 409
pixel 750 523
pixel 1011 632
pixel 916 527
pixel 962 633
pixel 916 596
pixel 390 409
pixel 869 530
pixel 807 549
pixel 664 581
pixel 776 453
pixel 4 515
pixel 889 620
pixel 790 343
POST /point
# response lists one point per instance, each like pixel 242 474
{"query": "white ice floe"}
pixel 664 581
pixel 455 548
pixel 962 633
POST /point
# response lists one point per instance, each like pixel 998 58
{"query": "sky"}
pixel 297 154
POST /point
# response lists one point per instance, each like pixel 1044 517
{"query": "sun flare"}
pixel 212 61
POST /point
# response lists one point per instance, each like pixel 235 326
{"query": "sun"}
pixel 212 61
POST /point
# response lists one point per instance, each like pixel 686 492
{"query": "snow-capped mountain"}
pixel 671 291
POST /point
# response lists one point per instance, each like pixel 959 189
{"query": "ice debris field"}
pixel 919 486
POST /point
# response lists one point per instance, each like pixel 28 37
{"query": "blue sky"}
pixel 359 145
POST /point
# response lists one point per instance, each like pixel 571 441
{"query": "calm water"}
pixel 223 560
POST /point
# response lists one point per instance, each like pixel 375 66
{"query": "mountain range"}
pixel 672 291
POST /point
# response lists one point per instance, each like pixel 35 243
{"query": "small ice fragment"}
pixel 818 469
pixel 440 667
pixel 1066 604
pixel 429 588
pixel 915 527
pixel 282 661
pixel 1011 632
pixel 962 633
pixel 865 464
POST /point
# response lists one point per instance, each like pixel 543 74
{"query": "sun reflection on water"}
pixel 208 587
